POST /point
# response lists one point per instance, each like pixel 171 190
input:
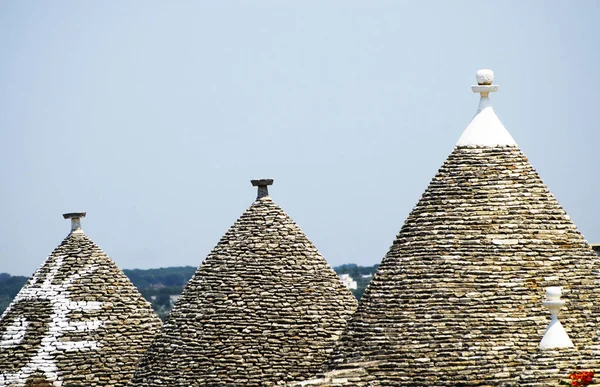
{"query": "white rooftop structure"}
pixel 485 128
pixel 555 336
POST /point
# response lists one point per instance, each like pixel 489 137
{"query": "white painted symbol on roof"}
pixel 51 342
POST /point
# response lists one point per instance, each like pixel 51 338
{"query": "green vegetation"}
pixel 162 286
pixel 158 285
pixel 9 287
pixel 163 277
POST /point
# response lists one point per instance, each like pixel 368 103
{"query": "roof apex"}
pixel 485 128
pixel 78 306
pixel 75 220
pixel 262 185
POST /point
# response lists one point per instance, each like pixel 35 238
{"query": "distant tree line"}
pixel 163 277
pixel 159 285
pixel 10 285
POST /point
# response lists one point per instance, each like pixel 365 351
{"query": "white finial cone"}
pixel 485 128
pixel 555 336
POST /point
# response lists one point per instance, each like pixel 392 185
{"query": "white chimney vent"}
pixel 555 336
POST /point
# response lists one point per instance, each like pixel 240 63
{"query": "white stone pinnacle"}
pixel 555 336
pixel 485 128
pixel 485 77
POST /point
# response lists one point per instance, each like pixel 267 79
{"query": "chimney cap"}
pixel 75 221
pixel 74 215
pixel 262 185
pixel 261 182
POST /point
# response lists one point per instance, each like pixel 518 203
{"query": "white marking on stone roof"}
pixel 485 128
pixel 52 341
pixel 15 333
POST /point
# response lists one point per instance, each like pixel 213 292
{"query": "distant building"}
pixel 348 281
pixel 173 298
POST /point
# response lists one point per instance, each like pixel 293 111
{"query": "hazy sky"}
pixel 153 116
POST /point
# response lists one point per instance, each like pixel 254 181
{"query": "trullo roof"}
pixel 264 307
pixel 78 321
pixel 457 300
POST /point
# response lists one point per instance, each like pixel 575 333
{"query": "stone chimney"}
pixel 75 221
pixel 262 185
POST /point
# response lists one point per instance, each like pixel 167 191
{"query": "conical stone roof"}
pixel 457 300
pixel 264 307
pixel 78 321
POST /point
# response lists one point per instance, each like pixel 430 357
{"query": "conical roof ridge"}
pixel 78 321
pixel 457 300
pixel 262 308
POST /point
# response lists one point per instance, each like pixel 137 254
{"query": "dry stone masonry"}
pixel 264 307
pixel 77 322
pixel 457 300
pixel 348 375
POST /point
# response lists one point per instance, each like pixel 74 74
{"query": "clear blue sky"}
pixel 153 116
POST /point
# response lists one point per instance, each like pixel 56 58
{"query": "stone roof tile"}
pixel 457 300
pixel 263 307
pixel 78 321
